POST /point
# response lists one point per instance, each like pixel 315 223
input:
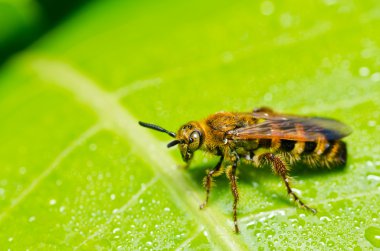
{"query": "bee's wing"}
pixel 292 128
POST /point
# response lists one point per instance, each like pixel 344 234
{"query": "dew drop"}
pixel 299 192
pixel 286 20
pixel 371 123
pixel 325 218
pixel 267 8
pixel 227 57
pixel 2 192
pixel 113 196
pixel 52 202
pixel 364 71
pixel 372 234
pixel 375 77
pixel 93 147
pixel 373 177
pixel 22 170
pixel 268 97
pixel 32 218
pixel 330 243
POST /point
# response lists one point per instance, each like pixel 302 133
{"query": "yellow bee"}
pixel 260 138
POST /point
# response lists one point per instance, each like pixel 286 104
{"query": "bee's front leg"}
pixel 281 169
pixel 207 181
pixel 231 174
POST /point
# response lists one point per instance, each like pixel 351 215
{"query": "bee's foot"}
pixel 203 205
pixel 313 210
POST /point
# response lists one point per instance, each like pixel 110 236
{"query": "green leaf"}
pixel 77 172
pixel 20 22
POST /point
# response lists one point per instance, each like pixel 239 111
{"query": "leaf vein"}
pixel 61 156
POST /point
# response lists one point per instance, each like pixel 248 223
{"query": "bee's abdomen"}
pixel 336 152
pixel 287 145
pixel 325 153
pixel 321 153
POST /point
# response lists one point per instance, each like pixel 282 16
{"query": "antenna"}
pixel 173 143
pixel 160 129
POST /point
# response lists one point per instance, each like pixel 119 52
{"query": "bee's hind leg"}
pixel 281 169
pixel 207 181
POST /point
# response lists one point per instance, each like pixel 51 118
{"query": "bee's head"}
pixel 189 138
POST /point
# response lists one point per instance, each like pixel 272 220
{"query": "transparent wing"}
pixel 274 125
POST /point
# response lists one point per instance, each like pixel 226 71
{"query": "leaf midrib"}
pixel 113 116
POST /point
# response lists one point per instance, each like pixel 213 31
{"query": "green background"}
pixel 77 172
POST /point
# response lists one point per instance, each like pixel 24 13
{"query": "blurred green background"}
pixel 24 21
pixel 77 172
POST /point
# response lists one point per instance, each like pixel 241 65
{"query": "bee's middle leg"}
pixel 207 181
pixel 281 169
pixel 231 174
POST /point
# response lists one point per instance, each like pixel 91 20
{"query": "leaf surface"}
pixel 78 172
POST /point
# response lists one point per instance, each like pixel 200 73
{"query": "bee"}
pixel 261 138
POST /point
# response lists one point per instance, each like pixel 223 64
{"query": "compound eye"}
pixel 194 141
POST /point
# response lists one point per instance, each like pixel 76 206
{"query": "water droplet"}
pixel 297 191
pixel 2 192
pixel 286 20
pixel 116 230
pixel 149 243
pixel 372 234
pixel 267 8
pixel 371 123
pixel 93 147
pixel 268 97
pixel 330 243
pixel 375 77
pixel 62 209
pixel 22 170
pixel 113 197
pixel 373 177
pixel 366 53
pixel 166 209
pixel 325 218
pixel 32 218
pixel 52 202
pixel 364 71
pixel 227 57
pixel 10 239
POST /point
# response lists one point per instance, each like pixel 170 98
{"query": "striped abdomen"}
pixel 314 153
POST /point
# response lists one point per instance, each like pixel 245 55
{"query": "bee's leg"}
pixel 280 168
pixel 231 174
pixel 207 181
